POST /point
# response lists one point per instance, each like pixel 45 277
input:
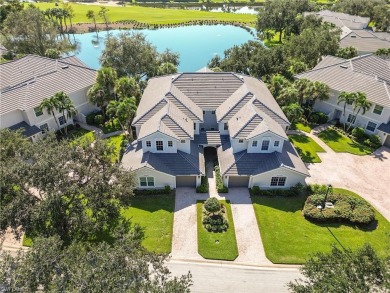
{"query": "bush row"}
pixel 204 186
pixel 318 118
pixel 296 190
pixel 358 134
pixel 347 209
pixel 166 190
pixel 221 188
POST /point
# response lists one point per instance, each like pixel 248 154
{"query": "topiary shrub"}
pixel 214 216
pixel 212 205
pixel 359 134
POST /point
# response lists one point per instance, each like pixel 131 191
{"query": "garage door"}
pixel 185 181
pixel 238 181
pixel 387 141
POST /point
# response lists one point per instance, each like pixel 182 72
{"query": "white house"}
pixel 368 74
pixel 25 82
pixel 183 115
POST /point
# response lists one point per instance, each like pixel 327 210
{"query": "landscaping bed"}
pixel 306 147
pixel 341 143
pixel 220 245
pixel 289 238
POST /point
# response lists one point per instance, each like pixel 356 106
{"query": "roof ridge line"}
pixel 180 153
pixel 178 123
pixel 176 98
pixel 235 161
pixel 331 65
pixel 150 109
pixel 256 99
pixel 251 105
pixel 235 105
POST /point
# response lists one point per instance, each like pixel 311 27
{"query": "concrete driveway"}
pixel 368 176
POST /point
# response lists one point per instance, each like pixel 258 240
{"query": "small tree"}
pixel 103 13
pixel 91 15
pixel 212 205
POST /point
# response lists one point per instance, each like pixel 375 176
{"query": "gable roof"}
pixel 369 74
pixel 185 104
pixel 342 19
pixel 364 40
pixel 25 82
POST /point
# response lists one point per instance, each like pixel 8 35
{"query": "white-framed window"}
pixel 276 143
pixel 225 126
pixel 183 141
pixel 170 143
pixel 265 145
pixel 159 145
pixel 62 120
pixel 44 128
pixel 378 109
pixel 278 181
pixel 351 118
pixel 254 143
pixel 240 141
pixel 146 181
pixel 148 143
pixel 371 126
pixel 38 112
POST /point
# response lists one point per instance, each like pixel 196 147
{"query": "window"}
pixel 44 128
pixel 265 145
pixel 351 118
pixel 170 143
pixel 276 143
pixel 378 109
pixel 159 145
pixel 254 143
pixel 240 141
pixel 278 181
pixel 38 112
pixel 212 112
pixel 62 120
pixel 225 126
pixel 371 126
pixel 182 141
pixel 146 181
pixel 148 143
pixel 194 126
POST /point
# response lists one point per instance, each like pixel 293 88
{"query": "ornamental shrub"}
pixel 375 141
pixel 204 186
pixel 359 134
pixel 99 119
pixel 212 205
pixel 255 190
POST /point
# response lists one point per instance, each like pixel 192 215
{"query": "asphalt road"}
pixel 227 278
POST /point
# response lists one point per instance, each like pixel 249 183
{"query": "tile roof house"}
pixel 354 31
pixel 369 74
pixel 25 82
pixel 181 115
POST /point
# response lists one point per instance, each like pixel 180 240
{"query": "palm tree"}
pixel 293 112
pixel 346 98
pixel 124 110
pixel 67 107
pixel 317 91
pixel 287 96
pixel 97 95
pixel 361 104
pixel 91 15
pixel 50 105
pixel 69 13
pixel 127 87
pixel 303 87
pixel 277 83
pixel 103 13
pixel 106 79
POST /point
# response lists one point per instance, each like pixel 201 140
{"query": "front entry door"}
pixel 337 114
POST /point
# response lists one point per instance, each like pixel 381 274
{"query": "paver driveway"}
pixel 368 176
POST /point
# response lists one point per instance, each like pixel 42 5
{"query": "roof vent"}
pixel 353 36
pixel 64 66
pixel 344 66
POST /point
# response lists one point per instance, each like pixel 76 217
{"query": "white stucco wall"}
pixel 237 146
pixel 266 136
pixel 264 180
pixel 222 131
pixel 11 118
pixel 164 138
pixel 160 179
pixel 209 120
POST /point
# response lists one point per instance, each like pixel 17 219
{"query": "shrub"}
pixel 255 190
pixel 374 141
pixel 167 189
pixel 90 118
pixel 347 209
pixel 99 119
pixel 212 205
pixel 218 178
pixel 322 118
pixel 141 192
pixel 318 188
pixel 314 118
pixel 359 134
pixel 296 190
pixel 204 186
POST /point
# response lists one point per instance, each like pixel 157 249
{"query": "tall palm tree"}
pixel 97 95
pixel 50 105
pixel 91 15
pixel 127 87
pixel 124 110
pixel 287 95
pixel 317 91
pixel 277 83
pixel 293 112
pixel 346 98
pixel 106 78
pixel 103 13
pixel 303 86
pixel 66 106
pixel 361 104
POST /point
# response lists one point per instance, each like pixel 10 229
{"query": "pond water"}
pixel 196 44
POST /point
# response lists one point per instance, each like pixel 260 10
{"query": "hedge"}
pixel 218 178
pixel 295 190
pixel 204 186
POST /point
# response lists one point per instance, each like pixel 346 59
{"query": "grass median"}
pixel 307 148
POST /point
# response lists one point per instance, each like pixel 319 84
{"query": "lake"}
pixel 196 44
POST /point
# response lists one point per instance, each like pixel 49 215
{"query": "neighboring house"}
pixel 234 116
pixel 354 31
pixel 369 74
pixel 25 82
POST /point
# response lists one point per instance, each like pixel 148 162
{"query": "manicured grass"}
pixel 151 15
pixel 307 148
pixel 289 238
pixel 226 249
pixel 300 126
pixel 80 134
pixel 27 241
pixel 116 141
pixel 343 144
pixel 155 214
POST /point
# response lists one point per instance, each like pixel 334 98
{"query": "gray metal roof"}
pixel 243 163
pixel 385 127
pixel 369 74
pixel 342 19
pixel 175 164
pixel 365 41
pixel 25 82
pixel 210 138
pixel 27 130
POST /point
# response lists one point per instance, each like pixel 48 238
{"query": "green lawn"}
pixel 289 238
pixel 80 134
pixel 343 144
pixel 116 141
pixel 226 248
pixel 307 148
pixel 155 214
pixel 151 15
pixel 300 126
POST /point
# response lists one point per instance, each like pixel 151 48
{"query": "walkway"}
pixel 367 175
